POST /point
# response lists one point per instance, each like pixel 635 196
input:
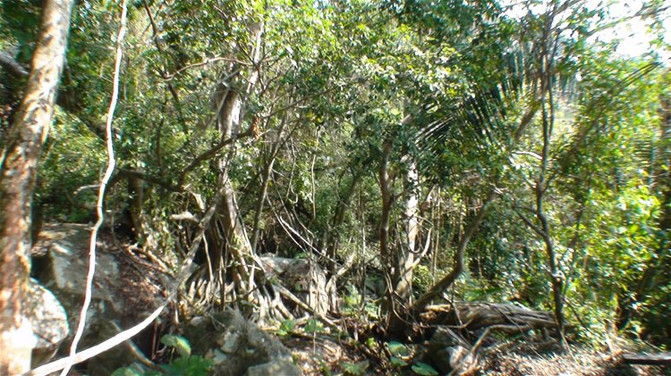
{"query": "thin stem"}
pixel 111 163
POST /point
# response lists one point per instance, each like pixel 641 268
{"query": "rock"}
pixel 48 319
pixel 238 346
pixel 304 278
pixel 274 368
pixel 62 258
pixel 460 358
pixel 122 293
pixel 449 352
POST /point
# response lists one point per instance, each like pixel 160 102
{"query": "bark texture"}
pixel 18 172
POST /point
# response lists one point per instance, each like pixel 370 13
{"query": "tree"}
pixel 18 166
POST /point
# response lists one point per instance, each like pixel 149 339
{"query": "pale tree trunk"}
pixel 398 264
pixel 18 168
pixel 231 112
pixel 459 258
pixel 386 258
pixel 397 325
pixel 406 260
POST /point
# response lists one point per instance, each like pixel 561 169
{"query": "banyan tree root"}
pixel 507 317
pixel 304 279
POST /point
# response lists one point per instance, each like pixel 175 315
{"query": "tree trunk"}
pixel 459 264
pixel 332 237
pixel 18 168
pixel 406 256
pixel 231 113
pixel 399 326
pixel 556 277
pixel 657 272
pixel 386 259
pixel 265 180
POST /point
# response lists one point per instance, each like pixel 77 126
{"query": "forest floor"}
pixel 327 354
pixel 322 355
pixel 547 359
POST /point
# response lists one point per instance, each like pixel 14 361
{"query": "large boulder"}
pixel 124 293
pixel 239 347
pixel 48 319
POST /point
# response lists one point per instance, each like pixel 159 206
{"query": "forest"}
pixel 335 187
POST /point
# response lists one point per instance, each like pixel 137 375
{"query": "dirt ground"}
pixel 323 355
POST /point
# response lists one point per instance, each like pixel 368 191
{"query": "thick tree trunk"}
pixel 18 166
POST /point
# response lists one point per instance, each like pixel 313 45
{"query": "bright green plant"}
pixel 424 369
pixel 355 369
pixel 398 353
pixel 286 327
pixel 184 365
pixel 314 326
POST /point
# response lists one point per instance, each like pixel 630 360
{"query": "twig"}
pixel 111 163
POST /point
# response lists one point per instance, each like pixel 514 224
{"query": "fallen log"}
pixel 663 359
pixel 472 316
pixel 451 352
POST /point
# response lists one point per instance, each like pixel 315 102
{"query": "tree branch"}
pixel 12 66
pixel 530 224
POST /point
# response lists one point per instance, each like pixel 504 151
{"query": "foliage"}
pixel 183 365
pixel 355 369
pixel 424 369
pixel 314 326
pixel 398 352
pixel 449 89
pixel 286 327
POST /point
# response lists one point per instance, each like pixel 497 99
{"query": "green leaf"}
pixel 397 349
pixel 179 343
pixel 314 326
pixel 398 362
pixel 192 366
pixel 424 369
pixel 286 327
pixel 355 369
pixel 127 371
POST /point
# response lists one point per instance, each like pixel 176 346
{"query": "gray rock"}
pixel 65 252
pixel 238 346
pixel 274 368
pixel 459 357
pixel 48 319
pixel 60 260
pixel 449 352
